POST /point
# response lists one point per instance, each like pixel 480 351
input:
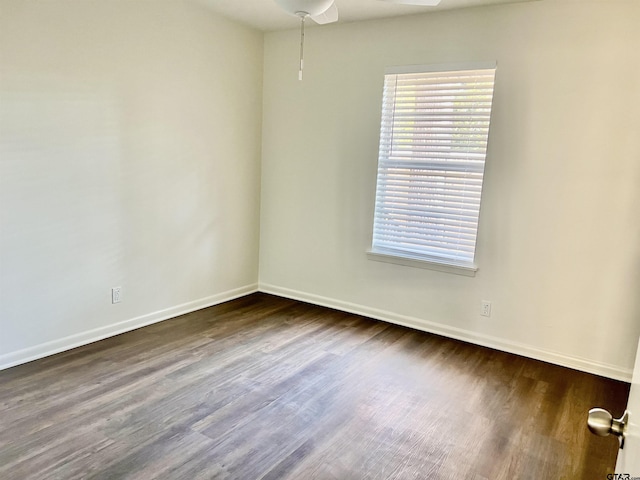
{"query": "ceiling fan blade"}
pixel 423 3
pixel 330 15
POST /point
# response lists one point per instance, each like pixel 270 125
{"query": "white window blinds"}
pixel 433 143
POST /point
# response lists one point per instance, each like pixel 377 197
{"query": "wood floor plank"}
pixel 269 388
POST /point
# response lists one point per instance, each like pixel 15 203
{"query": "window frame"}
pixel 404 256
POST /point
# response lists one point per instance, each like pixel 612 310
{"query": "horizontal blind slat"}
pixel 410 235
pixel 435 251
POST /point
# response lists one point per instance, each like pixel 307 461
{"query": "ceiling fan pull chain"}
pixel 302 19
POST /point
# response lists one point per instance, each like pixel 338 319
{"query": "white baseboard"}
pixel 67 343
pixel 606 370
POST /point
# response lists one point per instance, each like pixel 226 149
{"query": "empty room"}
pixel 315 239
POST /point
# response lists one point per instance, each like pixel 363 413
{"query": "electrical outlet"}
pixel 485 309
pixel 116 294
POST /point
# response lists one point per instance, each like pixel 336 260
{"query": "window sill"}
pixel 468 271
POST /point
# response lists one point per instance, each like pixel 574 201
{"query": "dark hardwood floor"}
pixel 269 388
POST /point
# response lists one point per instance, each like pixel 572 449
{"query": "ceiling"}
pixel 266 15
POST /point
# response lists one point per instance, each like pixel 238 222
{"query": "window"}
pixel 433 143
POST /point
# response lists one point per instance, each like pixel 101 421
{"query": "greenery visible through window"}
pixel 433 143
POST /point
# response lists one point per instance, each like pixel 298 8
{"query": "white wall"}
pixel 129 156
pixel 559 235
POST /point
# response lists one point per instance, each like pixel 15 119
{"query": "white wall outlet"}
pixel 485 309
pixel 116 294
